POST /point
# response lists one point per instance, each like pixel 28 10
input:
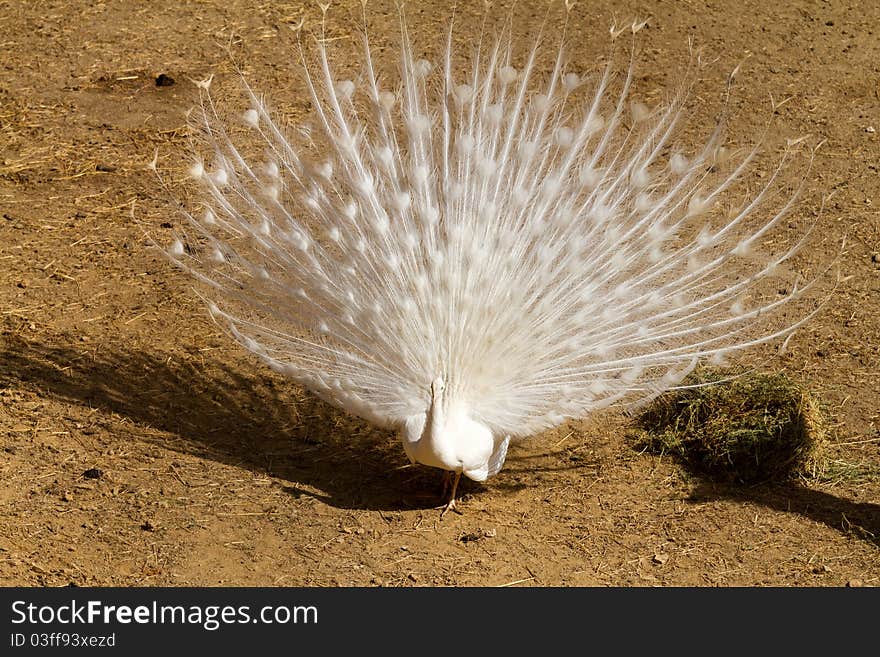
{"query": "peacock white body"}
pixel 471 254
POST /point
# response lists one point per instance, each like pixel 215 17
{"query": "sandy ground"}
pixel 141 447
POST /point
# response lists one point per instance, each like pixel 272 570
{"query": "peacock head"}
pixel 445 436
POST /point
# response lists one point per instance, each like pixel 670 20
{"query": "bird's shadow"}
pixel 208 408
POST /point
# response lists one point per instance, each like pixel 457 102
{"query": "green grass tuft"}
pixel 755 428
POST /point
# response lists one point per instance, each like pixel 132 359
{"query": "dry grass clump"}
pixel 753 428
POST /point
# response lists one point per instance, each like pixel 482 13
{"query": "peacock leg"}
pixel 450 505
pixel 447 480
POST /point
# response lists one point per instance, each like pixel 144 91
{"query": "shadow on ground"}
pixel 199 405
pixel 207 408
pixel 861 519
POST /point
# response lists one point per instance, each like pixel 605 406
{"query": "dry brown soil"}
pixel 139 446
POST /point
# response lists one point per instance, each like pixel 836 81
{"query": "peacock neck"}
pixel 439 407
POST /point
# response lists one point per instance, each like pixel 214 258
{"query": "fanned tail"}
pixel 542 242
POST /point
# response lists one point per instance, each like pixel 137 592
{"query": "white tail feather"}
pixel 543 245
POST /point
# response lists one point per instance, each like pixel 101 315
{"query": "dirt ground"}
pixel 141 447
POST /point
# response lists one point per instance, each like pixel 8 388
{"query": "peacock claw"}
pixel 450 505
